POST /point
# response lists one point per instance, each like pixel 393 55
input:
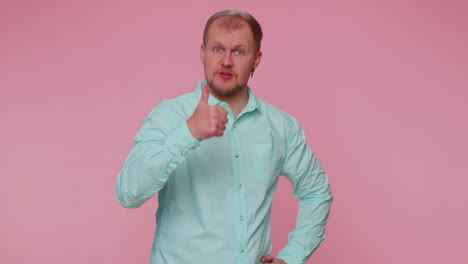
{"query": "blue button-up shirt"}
pixel 215 195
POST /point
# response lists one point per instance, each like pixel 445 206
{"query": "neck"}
pixel 236 102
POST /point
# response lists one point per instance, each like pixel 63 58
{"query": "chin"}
pixel 223 90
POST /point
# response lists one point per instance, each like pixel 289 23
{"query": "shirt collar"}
pixel 252 104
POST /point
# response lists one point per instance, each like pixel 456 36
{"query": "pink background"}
pixel 380 88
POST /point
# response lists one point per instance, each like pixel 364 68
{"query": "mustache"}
pixel 225 71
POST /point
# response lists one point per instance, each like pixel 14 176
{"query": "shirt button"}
pixel 234 126
pixel 193 145
pixel 236 155
pixel 241 218
pixel 242 250
pixel 168 172
pixel 183 153
pixel 239 185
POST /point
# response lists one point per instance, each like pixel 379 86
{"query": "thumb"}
pixel 205 93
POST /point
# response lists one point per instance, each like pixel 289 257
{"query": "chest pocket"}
pixel 265 163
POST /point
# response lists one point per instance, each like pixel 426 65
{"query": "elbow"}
pixel 127 202
pixel 133 191
pixel 125 198
pixel 322 193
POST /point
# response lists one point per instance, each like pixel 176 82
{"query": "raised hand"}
pixel 207 120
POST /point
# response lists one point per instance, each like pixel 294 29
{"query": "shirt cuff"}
pixel 291 255
pixel 181 142
pixel 289 259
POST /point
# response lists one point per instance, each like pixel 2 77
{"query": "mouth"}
pixel 225 75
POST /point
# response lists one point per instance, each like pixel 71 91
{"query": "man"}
pixel 214 157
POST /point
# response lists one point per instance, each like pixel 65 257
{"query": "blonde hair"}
pixel 231 21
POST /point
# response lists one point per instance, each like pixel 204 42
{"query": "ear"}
pixel 202 53
pixel 258 58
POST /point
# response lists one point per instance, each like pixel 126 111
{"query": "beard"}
pixel 223 92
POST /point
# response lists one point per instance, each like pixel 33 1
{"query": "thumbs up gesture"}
pixel 207 120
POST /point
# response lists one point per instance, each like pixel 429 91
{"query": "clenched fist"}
pixel 207 120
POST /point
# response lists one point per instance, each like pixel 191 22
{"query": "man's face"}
pixel 228 58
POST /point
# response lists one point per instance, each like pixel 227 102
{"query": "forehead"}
pixel 234 27
pixel 230 23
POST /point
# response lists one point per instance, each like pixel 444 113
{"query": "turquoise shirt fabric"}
pixel 215 195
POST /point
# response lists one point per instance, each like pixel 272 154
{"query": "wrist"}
pixel 192 130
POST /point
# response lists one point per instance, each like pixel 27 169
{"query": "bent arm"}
pixel 160 146
pixel 311 186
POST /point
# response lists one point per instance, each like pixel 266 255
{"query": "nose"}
pixel 227 60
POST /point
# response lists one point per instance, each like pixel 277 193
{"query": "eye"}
pixel 239 52
pixel 217 49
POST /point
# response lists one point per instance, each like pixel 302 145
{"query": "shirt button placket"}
pixel 240 194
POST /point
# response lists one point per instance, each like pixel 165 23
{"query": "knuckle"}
pixel 213 130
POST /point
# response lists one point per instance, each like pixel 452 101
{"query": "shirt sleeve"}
pixel 312 188
pixel 160 146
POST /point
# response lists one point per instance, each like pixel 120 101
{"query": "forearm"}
pixel 310 228
pixel 158 151
pixel 143 175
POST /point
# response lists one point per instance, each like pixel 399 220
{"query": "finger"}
pixel 219 113
pixel 224 119
pixel 221 109
pixel 205 93
pixel 268 259
pixel 221 126
pixel 224 112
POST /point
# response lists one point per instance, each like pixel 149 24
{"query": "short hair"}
pixel 231 22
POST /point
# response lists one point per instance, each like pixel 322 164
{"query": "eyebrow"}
pixel 216 43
